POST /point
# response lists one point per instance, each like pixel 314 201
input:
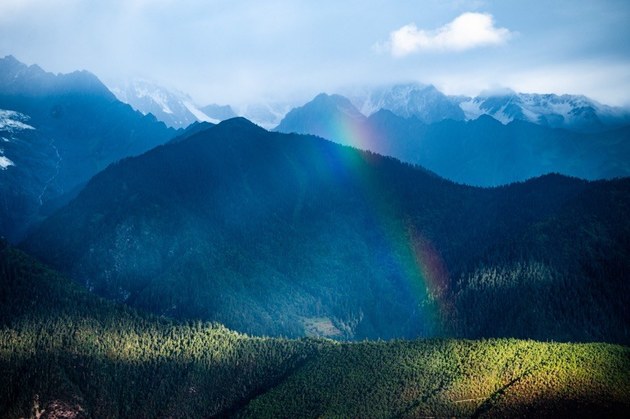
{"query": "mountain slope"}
pixel 481 152
pixel 175 109
pixel 66 353
pixel 291 235
pixel 72 128
pixel 572 112
pixel 426 103
pixel 219 112
pixel 326 116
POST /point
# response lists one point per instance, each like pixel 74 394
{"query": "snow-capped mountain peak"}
pixel 424 102
pixel 175 109
pixel 574 112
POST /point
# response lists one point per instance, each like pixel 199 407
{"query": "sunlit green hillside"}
pixel 64 351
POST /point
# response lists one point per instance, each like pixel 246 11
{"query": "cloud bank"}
pixel 243 52
pixel 467 31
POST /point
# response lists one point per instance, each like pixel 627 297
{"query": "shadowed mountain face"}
pixel 57 131
pixel 481 152
pixel 281 234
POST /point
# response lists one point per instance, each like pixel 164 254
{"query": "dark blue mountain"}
pixel 70 126
pixel 277 234
pixel 327 116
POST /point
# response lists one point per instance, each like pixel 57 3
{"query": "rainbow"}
pixel 414 256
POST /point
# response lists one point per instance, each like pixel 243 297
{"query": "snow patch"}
pixel 530 115
pixel 534 107
pixel 197 113
pixel 502 117
pixel 156 96
pixel 12 121
pixel 471 108
pixel 5 162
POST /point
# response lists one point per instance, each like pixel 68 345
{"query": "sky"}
pixel 239 52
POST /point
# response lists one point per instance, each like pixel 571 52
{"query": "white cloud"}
pixel 467 31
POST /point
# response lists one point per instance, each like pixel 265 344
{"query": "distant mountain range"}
pixel 292 235
pixel 266 114
pixel 175 109
pixel 219 112
pixel 534 134
pixel 429 105
pixel 178 110
pixel 482 152
pixel 572 112
pixel 424 102
pixel 56 132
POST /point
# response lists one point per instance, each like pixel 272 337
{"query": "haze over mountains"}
pixel 178 110
pixel 429 105
pixel 175 109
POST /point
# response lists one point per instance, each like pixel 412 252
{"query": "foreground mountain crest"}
pixel 292 235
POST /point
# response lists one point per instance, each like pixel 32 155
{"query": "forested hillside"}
pixel 67 353
pixel 67 350
pixel 292 235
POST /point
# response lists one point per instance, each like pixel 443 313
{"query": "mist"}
pixel 239 53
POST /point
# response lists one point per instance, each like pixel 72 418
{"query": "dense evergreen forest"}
pixel 67 353
pixel 291 235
